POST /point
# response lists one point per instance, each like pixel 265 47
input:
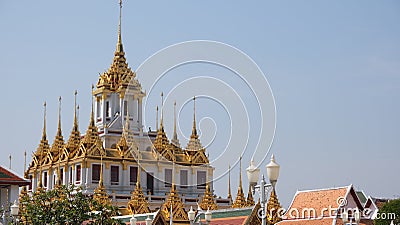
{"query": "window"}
pixel 62 175
pixel 133 174
pixel 96 173
pixel 98 110
pixel 168 177
pixel 78 174
pixel 108 109
pixel 201 179
pixel 184 178
pixel 70 174
pixel 30 184
pixel 45 179
pixel 54 179
pixel 125 108
pixel 114 175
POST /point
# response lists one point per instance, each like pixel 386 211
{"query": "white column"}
pixel 3 197
pixel 13 193
pixel 140 113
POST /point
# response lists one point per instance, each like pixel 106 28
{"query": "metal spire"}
pixel 157 118
pixel 175 140
pixel 194 131
pixel 119 44
pixel 229 183
pixel 75 113
pixel 40 185
pixel 162 110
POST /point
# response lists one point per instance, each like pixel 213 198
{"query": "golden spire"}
pixel 100 194
pixel 75 136
pixel 157 118
pixel 162 111
pixel 58 143
pixel 240 200
pixel 194 141
pixel 161 142
pixel 119 44
pixel 43 148
pixel 92 137
pixel 229 184
pixel 272 208
pixel 175 140
pixel 138 203
pixel 194 130
pixel 208 201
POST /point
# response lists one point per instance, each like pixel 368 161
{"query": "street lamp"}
pixel 14 211
pixel 263 188
pixel 349 221
pixel 133 220
pixel 148 220
pixel 193 218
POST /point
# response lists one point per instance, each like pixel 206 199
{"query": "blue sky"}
pixel 333 66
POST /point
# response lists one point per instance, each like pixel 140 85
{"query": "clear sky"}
pixel 333 66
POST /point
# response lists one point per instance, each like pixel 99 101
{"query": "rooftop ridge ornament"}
pixel 119 44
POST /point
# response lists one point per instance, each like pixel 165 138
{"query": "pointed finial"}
pixel 59 116
pixel 75 108
pixel 175 136
pixel 240 175
pixel 92 113
pixel 9 157
pixel 24 162
pixel 138 173
pixel 162 110
pixel 229 183
pixel 119 44
pixel 44 121
pixel 101 171
pixel 157 118
pixel 194 131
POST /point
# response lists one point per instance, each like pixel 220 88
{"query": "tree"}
pixel 389 211
pixel 65 205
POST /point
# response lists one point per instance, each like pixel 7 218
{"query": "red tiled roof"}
pixel 317 200
pixel 229 221
pixel 9 178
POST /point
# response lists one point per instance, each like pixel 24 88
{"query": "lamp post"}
pixel 14 211
pixel 349 221
pixel 133 220
pixel 263 188
pixel 193 218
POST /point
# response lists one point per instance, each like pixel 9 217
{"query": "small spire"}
pixel 25 164
pixel 92 111
pixel 9 157
pixel 75 109
pixel 162 111
pixel 175 140
pixel 240 175
pixel 101 171
pixel 119 44
pixel 194 130
pixel 44 122
pixel 157 118
pixel 138 173
pixel 229 184
pixel 59 117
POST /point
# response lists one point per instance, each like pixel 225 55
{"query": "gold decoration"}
pixel 208 201
pixel 272 206
pixel 58 143
pixel 250 199
pixel 72 146
pixel 178 209
pixel 138 203
pixel 100 195
pixel 229 184
pixel 240 201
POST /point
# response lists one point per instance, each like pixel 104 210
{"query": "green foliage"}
pixel 65 205
pixel 389 211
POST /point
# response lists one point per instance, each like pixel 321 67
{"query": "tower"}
pixel 118 91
